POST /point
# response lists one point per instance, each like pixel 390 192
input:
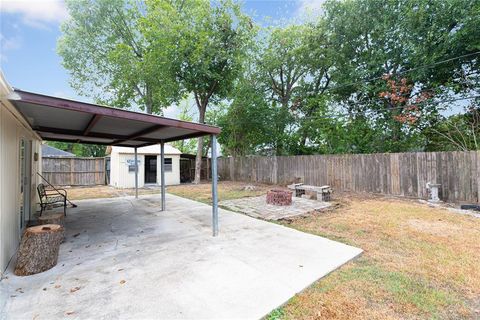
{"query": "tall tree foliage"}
pixel 292 68
pixel 151 53
pixel 407 41
pixel 248 123
pixel 209 42
pixel 105 50
pixel 369 76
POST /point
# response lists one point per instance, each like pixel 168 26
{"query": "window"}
pixel 168 164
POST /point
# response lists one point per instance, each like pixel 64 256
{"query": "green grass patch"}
pixel 276 314
pixel 401 287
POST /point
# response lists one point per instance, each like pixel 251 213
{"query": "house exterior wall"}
pixel 120 176
pixel 13 128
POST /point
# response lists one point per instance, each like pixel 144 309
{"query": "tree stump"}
pixel 39 248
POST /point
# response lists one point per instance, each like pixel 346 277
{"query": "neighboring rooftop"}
pixel 49 151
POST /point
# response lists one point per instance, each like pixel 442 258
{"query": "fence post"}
pixel 275 170
pixel 231 167
pixel 72 169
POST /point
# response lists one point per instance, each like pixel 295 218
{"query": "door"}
pixel 150 169
pixel 25 178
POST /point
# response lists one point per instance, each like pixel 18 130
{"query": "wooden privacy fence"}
pixel 73 171
pixel 402 174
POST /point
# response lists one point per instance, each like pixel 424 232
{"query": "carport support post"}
pixel 136 173
pixel 214 186
pixel 162 172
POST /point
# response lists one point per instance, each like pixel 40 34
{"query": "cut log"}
pixel 39 248
pixel 53 218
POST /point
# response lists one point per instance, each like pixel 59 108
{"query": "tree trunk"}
pixel 202 107
pixel 39 248
pixel 198 161
pixel 281 127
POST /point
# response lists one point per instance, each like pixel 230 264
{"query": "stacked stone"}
pixel 279 197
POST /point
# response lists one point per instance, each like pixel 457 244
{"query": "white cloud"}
pixel 8 44
pixel 36 13
pixel 309 8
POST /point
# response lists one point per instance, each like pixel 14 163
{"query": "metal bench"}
pixel 323 192
pixel 50 197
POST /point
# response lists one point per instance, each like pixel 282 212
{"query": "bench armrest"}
pixel 54 193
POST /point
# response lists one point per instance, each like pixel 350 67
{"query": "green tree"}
pixel 208 42
pixel 282 63
pixel 109 59
pixel 431 44
pixel 459 132
pixel 248 122
pixel 293 69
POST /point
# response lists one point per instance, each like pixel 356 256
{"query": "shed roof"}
pixel 67 120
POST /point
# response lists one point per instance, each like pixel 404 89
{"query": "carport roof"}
pixel 74 121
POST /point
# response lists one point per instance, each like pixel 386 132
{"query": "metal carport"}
pixel 66 120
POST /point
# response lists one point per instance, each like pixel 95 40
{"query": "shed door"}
pixel 150 169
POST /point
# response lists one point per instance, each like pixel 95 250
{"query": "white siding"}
pixel 12 129
pixel 114 163
pixel 120 177
pixel 173 177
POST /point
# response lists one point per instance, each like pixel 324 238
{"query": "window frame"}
pixel 168 167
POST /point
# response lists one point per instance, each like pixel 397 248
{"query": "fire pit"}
pixel 279 197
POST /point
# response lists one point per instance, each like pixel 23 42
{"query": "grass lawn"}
pixel 419 262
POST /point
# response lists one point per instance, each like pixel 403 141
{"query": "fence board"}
pixel 74 171
pixel 403 174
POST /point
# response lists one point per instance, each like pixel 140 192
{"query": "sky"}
pixel 29 30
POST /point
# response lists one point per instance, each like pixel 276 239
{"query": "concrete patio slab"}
pixel 125 259
pixel 257 207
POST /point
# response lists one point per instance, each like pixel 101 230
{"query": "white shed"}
pixel 122 166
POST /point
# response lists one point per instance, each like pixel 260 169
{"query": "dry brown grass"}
pixel 226 190
pixel 419 262
pixel 95 192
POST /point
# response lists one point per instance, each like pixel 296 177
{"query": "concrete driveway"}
pixel 123 258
